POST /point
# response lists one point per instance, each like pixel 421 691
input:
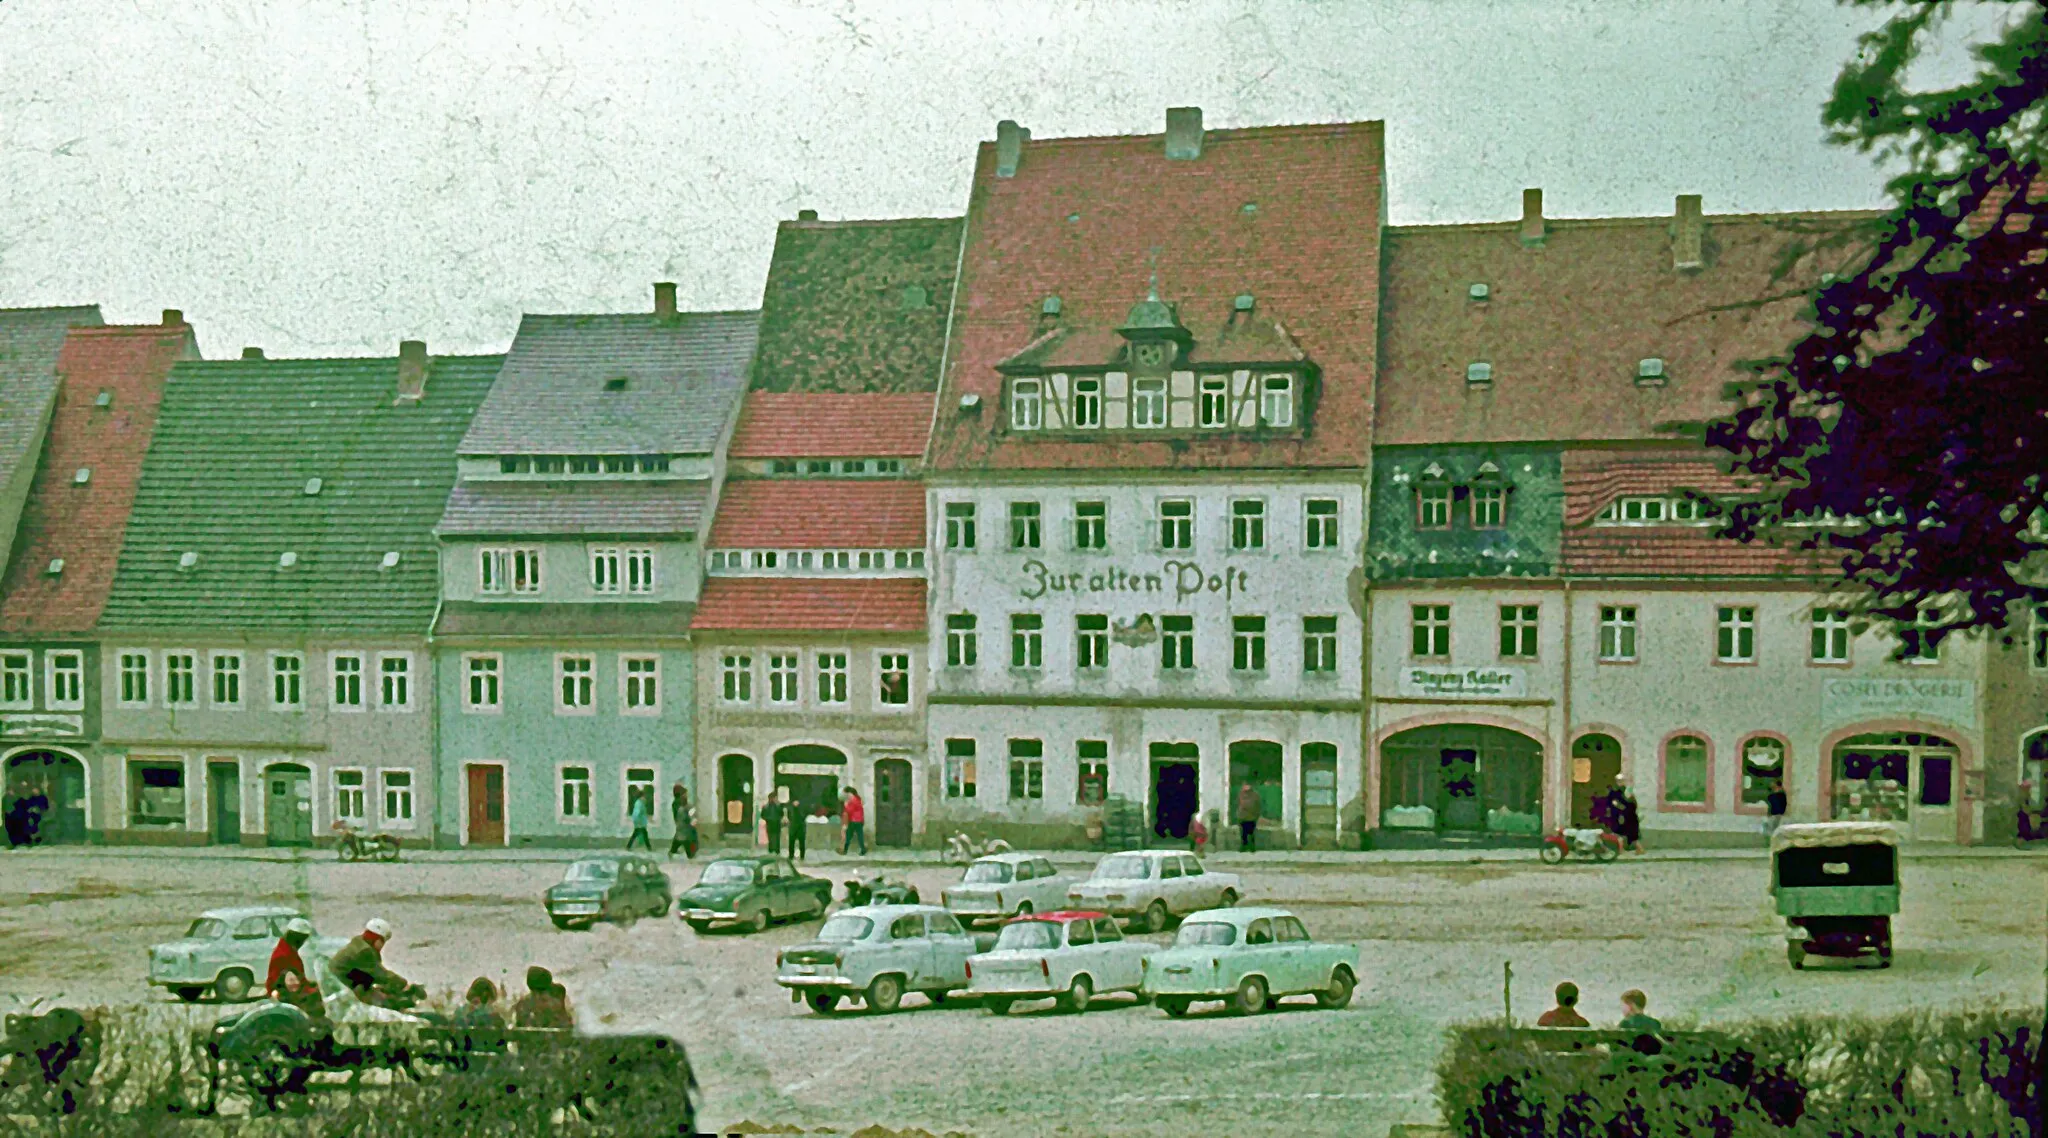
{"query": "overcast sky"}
pixel 330 176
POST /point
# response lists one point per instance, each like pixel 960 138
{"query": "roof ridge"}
pixel 649 315
pixel 1514 225
pixel 866 222
pixel 1223 134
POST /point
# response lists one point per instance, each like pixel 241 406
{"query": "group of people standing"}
pixel 787 822
pixel 23 811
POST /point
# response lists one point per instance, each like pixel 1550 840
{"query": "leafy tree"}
pixel 1912 419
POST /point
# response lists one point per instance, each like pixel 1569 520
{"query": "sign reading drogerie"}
pixel 1464 683
pixel 1849 699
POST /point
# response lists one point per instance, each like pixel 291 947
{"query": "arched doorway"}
pixel 893 818
pixel 736 793
pixel 1596 763
pixel 812 772
pixel 59 777
pixel 288 805
pixel 1903 777
pixel 1465 779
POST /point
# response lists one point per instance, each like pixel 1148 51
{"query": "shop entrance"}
pixel 892 802
pixel 1596 763
pixel 736 793
pixel 1905 778
pixel 60 779
pixel 1256 763
pixel 812 772
pixel 1176 787
pixel 1462 779
pixel 224 793
pixel 1319 796
pixel 288 805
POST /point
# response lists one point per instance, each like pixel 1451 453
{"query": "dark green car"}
pixel 751 891
pixel 608 887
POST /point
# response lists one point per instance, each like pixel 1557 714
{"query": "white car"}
pixel 1072 957
pixel 1007 885
pixel 1152 886
pixel 876 953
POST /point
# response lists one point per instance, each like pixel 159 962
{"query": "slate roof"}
pixel 83 524
pixel 483 508
pixel 1567 324
pixel 776 513
pixel 236 443
pixel 1595 478
pixel 532 621
pixel 30 339
pixel 776 424
pixel 811 604
pixel 1290 215
pixel 838 312
pixel 683 376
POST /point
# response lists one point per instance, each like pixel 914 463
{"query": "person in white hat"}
pixel 360 964
pixel 288 982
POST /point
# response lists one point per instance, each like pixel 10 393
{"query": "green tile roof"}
pixel 226 479
pixel 855 306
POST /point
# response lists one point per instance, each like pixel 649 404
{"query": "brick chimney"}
pixel 412 370
pixel 807 215
pixel 252 353
pixel 173 318
pixel 1184 133
pixel 665 298
pixel 1533 231
pixel 1010 140
pixel 1688 233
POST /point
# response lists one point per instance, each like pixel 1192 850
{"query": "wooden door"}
pixel 288 805
pixel 892 802
pixel 486 804
pixel 1596 763
pixel 1318 796
pixel 224 791
pixel 736 788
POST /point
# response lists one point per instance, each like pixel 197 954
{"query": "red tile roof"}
pixel 1994 202
pixel 1290 215
pixel 771 513
pixel 1595 478
pixel 792 424
pixel 811 604
pixel 85 524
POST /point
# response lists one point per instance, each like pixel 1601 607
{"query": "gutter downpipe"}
pixel 434 720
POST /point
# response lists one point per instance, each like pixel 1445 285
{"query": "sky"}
pixel 327 177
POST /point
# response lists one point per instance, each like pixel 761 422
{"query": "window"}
pixel 1023 525
pixel 959 525
pixel 180 679
pixel 960 640
pixel 1214 408
pixel 640 571
pixel 1177 642
pixel 888 466
pixel 350 800
pixel 1653 511
pixel 134 678
pixel 818 466
pixel 765 558
pixel 2039 638
pixel 394 681
pixel 1831 636
pixel 1027 405
pixel 831 677
pixel 736 678
pixel 1319 523
pixel 1433 506
pixel 1092 785
pixel 1148 403
pixel 642 680
pixel 1276 401
pixel 66 680
pixel 17 680
pixel 575 792
pixel 1247 523
pixel 483 674
pixel 1087 404
pixel 854 466
pixel 1429 631
pixel 782 677
pixel 1763 763
pixel 508 570
pixel 347 670
pixel 1176 524
pixel 1489 507
pixel 1735 634
pixel 604 569
pixel 959 768
pixel 1027 768
pixel 1027 640
pixel 156 793
pixel 1518 631
pixel 574 683
pixel 893 679
pixel 1091 525
pixel 1685 771
pixel 1319 644
pixel 1922 648
pixel 526 570
pixel 1617 632
pixel 1091 641
pixel 397 798
pixel 639 787
pixel 1248 643
pixel 227 679
pixel 287 677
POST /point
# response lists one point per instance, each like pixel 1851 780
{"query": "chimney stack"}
pixel 665 298
pixel 1533 231
pixel 252 353
pixel 1010 140
pixel 412 370
pixel 173 318
pixel 1688 234
pixel 1184 133
pixel 807 215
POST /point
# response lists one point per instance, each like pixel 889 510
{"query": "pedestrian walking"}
pixel 772 813
pixel 686 823
pixel 32 811
pixel 640 813
pixel 1566 1013
pixel 15 815
pixel 1774 807
pixel 855 815
pixel 1247 819
pixel 1628 817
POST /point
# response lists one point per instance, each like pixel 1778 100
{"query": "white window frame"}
pixel 962 525
pixel 1496 496
pixel 1276 400
pixel 51 685
pixel 589 815
pixel 1248 527
pixel 386 820
pixel 1731 619
pixel 562 672
pixel 626 784
pixel 1248 644
pixel 406 676
pixel 1626 624
pixel 1148 403
pixel 642 578
pixel 1433 500
pixel 298 680
pixel 1431 619
pixel 794 671
pixel 25 673
pixel 121 673
pixel 213 678
pixel 334 702
pixel 1098 523
pixel 1321 531
pixel 1085 404
pixel 605 578
pixel 736 666
pixel 527 577
pixel 884 657
pixel 1319 648
pixel 1212 393
pixel 193 655
pixel 360 818
pixel 963 640
pixel 1027 404
pixel 1091 645
pixel 629 679
pixel 2037 638
pixel 1928 616
pixel 1026 518
pixel 832 694
pixel 493 571
pixel 1831 624
pixel 1184 524
pixel 496 682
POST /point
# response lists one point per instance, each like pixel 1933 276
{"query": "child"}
pixel 1198 834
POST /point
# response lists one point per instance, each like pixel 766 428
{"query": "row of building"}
pixel 1168 468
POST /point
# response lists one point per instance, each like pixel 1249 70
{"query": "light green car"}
pixel 1250 958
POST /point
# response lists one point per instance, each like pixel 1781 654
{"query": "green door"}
pixel 288 805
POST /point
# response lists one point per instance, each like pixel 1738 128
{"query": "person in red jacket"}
pixel 288 982
pixel 855 815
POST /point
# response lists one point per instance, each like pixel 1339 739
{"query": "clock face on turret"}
pixel 1149 355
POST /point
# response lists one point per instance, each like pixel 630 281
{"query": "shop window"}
pixel 1763 763
pixel 156 794
pixel 1685 771
pixel 1027 769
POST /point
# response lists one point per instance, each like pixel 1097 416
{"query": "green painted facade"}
pixel 1400 548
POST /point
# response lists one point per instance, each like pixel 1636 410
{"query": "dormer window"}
pixel 1433 504
pixel 1479 373
pixel 1148 403
pixel 782 466
pixel 1640 511
pixel 1650 372
pixel 1214 404
pixel 1276 401
pixel 586 464
pixel 854 466
pixel 1087 411
pixel 1027 405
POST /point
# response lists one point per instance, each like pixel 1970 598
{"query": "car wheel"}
pixel 189 993
pixel 824 1003
pixel 1795 955
pixel 1077 996
pixel 1155 917
pixel 1173 1006
pixel 1338 994
pixel 1551 855
pixel 1251 996
pixel 700 927
pixel 884 993
pixel 758 922
pixel 562 922
pixel 996 1005
pixel 232 985
pixel 660 908
pixel 1228 900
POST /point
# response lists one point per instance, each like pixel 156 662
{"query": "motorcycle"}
pixel 1599 844
pixel 355 846
pixel 879 890
pixel 961 849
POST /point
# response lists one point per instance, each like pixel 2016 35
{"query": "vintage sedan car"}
pixel 607 887
pixel 227 952
pixel 877 953
pixel 752 890
pixel 1071 956
pixel 1249 958
pixel 1153 886
pixel 1007 885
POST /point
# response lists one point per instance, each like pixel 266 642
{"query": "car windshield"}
pixel 206 928
pixel 845 926
pixel 593 871
pixel 1029 934
pixel 727 873
pixel 988 873
pixel 1123 867
pixel 1210 933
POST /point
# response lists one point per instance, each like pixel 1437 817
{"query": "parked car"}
pixel 227 952
pixel 877 953
pixel 1070 956
pixel 1250 958
pixel 752 890
pixel 607 887
pixel 1152 886
pixel 1007 885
